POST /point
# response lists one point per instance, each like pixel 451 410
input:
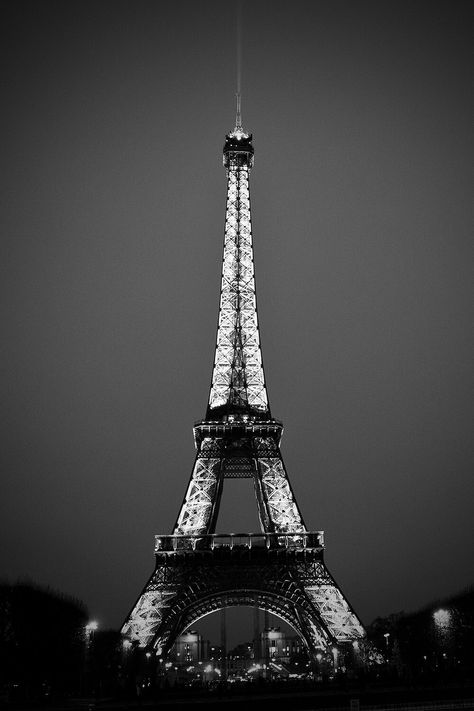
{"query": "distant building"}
pixel 275 644
pixel 190 648
pixel 275 650
pixel 240 659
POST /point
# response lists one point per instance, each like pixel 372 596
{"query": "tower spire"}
pixel 238 114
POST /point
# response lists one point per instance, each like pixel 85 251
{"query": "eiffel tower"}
pixel 280 569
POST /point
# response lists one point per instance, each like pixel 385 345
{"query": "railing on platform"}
pixel 304 540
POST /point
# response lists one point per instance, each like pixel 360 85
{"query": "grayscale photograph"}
pixel 237 356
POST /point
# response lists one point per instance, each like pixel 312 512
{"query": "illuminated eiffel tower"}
pixel 280 569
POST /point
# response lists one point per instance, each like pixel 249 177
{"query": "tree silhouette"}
pixel 41 639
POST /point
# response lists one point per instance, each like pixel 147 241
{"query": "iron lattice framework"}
pixel 282 569
pixel 238 379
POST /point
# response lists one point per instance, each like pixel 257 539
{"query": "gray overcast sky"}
pixel 113 198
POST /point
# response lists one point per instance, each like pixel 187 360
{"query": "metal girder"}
pixel 150 609
pixel 335 611
pixel 201 497
pixel 282 512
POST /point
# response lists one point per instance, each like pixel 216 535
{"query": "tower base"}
pixel 282 573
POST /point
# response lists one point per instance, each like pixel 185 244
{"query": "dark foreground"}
pixel 440 698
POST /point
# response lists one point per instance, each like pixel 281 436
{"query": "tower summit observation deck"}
pixel 281 568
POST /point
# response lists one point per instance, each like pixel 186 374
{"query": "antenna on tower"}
pixel 238 38
pixel 238 115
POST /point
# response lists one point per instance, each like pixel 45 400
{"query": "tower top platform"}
pixel 238 149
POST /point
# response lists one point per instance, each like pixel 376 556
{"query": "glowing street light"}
pixel 92 626
pixel 442 618
pixel 90 629
pixel 443 624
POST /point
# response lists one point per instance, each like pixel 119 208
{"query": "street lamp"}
pixel 443 624
pixel 442 618
pixel 92 627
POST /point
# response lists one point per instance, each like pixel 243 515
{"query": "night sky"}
pixel 113 198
